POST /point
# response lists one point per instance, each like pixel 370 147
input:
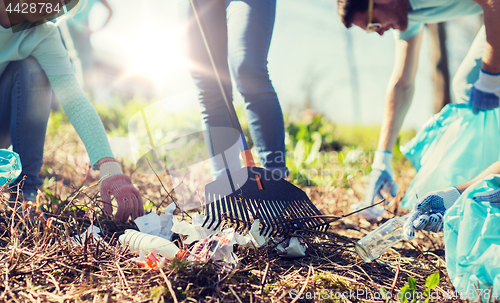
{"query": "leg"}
pixel 215 118
pixel 26 86
pixel 250 27
pixel 5 109
pixel 468 71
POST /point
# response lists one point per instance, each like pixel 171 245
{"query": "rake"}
pixel 252 192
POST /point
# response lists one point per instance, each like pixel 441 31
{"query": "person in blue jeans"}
pixel 477 81
pixel 240 34
pixel 33 65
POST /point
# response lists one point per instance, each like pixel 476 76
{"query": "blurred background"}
pixel 314 61
pixel 330 81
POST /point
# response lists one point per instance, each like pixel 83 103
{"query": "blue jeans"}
pixel 239 32
pixel 25 99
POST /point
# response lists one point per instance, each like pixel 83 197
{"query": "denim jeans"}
pixel 240 35
pixel 25 100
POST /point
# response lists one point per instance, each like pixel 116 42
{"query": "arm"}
pixel 492 169
pixel 399 91
pixel 110 13
pixel 83 117
pixel 485 94
pixel 428 210
pixel 491 56
pixel 398 99
pixel 89 127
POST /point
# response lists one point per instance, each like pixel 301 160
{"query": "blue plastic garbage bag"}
pixel 452 148
pixel 472 243
pixel 10 166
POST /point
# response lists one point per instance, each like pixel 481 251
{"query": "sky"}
pixel 345 71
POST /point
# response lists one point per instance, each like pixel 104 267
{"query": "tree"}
pixel 439 59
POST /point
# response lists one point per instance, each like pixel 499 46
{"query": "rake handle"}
pixel 246 154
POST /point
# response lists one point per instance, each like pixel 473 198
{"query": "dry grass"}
pixel 39 263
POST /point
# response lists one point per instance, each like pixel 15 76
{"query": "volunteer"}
pixel 469 216
pixel 477 80
pixel 33 63
pixel 76 35
pixel 428 210
pixel 239 32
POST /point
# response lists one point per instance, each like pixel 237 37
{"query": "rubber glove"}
pixel 428 211
pixel 119 185
pixel 485 93
pixel 492 196
pixel 381 180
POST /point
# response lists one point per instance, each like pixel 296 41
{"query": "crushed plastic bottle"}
pixel 10 166
pixel 138 241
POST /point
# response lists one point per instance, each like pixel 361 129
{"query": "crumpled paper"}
pixel 194 230
pixel 294 249
pixel 92 230
pixel 217 246
pixel 257 239
pixel 158 225
pixel 212 244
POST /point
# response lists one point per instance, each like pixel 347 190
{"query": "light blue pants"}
pixel 239 31
pixel 25 100
pixel 468 71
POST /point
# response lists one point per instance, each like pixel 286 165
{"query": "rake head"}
pixel 280 206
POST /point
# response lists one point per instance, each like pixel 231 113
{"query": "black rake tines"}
pixel 280 206
pixel 277 218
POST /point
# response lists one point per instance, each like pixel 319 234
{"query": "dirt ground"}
pixel 39 263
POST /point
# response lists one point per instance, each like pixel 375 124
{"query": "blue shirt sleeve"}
pixel 82 116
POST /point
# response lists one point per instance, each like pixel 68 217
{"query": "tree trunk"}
pixel 439 58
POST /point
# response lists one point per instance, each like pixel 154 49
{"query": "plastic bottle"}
pixel 138 241
pixel 10 166
pixel 381 239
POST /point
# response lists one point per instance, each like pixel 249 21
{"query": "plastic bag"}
pixel 217 247
pixel 472 243
pixel 452 148
pixel 10 166
pixel 150 261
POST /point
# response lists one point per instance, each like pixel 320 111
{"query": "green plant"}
pixel 409 292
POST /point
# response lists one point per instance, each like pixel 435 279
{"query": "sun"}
pixel 153 54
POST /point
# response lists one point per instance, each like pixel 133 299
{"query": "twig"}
pixel 169 285
pixel 234 293
pixel 122 275
pixel 426 258
pixel 303 286
pixel 264 277
pixel 395 277
pixel 334 218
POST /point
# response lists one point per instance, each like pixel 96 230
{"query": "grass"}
pixel 39 263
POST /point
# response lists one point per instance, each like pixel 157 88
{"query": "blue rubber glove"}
pixel 485 93
pixel 428 211
pixel 492 196
pixel 381 180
